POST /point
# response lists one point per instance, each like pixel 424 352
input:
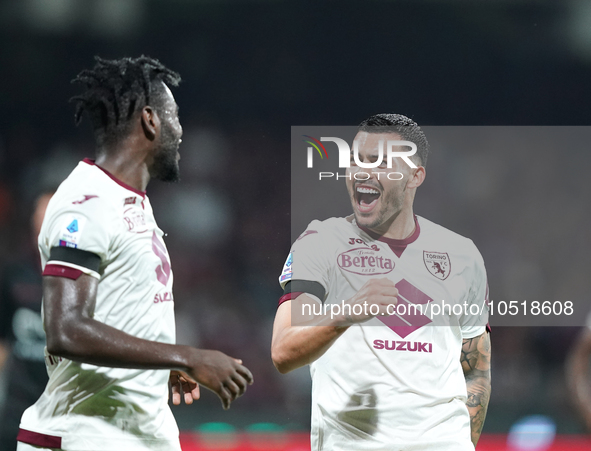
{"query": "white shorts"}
pixel 26 447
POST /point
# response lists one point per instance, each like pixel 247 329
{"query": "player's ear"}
pixel 150 122
pixel 417 177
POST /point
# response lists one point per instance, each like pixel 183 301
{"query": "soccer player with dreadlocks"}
pixel 107 281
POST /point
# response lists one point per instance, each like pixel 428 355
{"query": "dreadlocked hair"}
pixel 116 89
pixel 408 129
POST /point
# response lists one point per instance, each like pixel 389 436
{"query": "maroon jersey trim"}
pixel 397 246
pixel 37 439
pixel 62 271
pixel 289 297
pixel 115 179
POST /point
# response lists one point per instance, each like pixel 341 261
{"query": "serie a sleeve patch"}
pixel 286 273
pixel 71 230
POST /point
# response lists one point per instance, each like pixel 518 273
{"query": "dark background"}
pixel 253 69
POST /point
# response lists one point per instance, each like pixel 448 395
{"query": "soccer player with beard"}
pixel 107 281
pixel 385 381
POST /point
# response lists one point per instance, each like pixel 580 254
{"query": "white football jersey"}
pixel 395 382
pixel 94 408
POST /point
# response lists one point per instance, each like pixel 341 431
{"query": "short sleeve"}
pixel 307 266
pixel 79 235
pixel 475 318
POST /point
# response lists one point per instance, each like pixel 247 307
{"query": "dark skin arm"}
pixel 577 376
pixel 475 361
pixel 72 333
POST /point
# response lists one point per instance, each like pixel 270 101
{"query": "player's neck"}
pixel 127 166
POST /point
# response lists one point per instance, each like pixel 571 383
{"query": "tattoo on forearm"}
pixel 475 360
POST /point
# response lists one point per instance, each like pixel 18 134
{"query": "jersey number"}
pixel 163 270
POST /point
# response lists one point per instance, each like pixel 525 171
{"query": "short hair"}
pixel 116 89
pixel 408 129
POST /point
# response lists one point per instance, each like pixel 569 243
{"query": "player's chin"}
pixel 367 219
pixel 169 174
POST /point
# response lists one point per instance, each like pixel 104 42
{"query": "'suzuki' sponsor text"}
pixel 392 345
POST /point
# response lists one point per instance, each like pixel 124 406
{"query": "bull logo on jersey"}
pixel 438 264
pixel 364 261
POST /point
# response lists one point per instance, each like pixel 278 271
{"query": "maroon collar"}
pixel 115 179
pixel 397 246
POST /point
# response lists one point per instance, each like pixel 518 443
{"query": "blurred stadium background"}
pixel 252 69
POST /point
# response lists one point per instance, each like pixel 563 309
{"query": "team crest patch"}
pixel 438 264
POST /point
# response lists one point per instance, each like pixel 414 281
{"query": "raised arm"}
pixel 294 346
pixel 72 333
pixel 475 361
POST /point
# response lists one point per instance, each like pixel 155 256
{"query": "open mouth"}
pixel 366 198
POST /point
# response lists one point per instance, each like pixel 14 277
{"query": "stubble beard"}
pixel 166 166
pixel 390 207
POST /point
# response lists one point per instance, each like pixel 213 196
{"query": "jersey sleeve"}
pixel 307 269
pixel 475 318
pixel 77 237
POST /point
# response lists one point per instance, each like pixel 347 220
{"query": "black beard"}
pixel 166 166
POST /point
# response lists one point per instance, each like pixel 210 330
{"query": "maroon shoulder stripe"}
pixel 289 297
pixel 62 271
pixel 37 439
